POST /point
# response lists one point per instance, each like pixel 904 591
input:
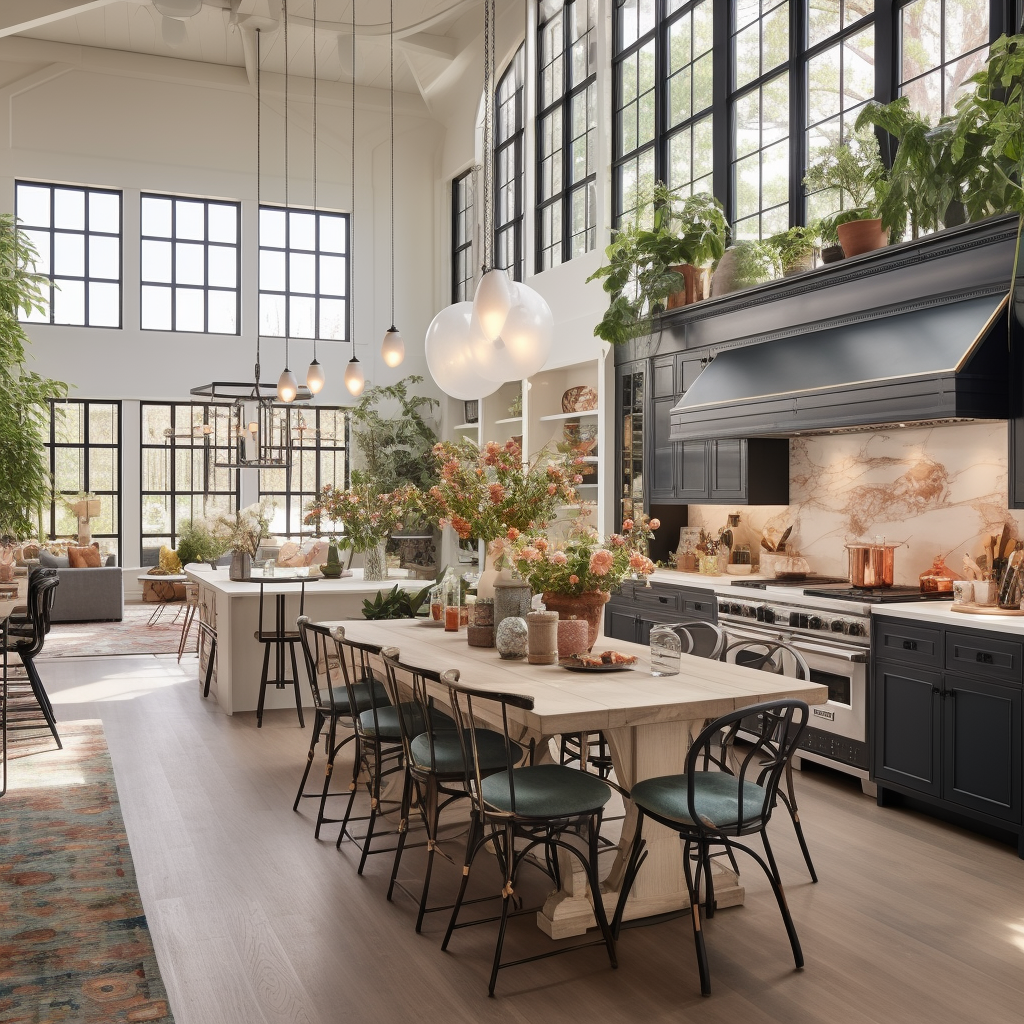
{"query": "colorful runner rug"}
pixel 130 636
pixel 75 947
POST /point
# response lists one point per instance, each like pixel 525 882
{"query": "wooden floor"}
pixel 254 921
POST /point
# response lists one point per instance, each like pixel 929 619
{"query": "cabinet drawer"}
pixel 983 656
pixel 699 605
pixel 660 596
pixel 911 644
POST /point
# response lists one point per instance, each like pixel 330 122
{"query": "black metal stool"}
pixel 283 642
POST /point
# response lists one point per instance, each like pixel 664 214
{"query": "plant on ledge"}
pixel 640 274
pixel 25 485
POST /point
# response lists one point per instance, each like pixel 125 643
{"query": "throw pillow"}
pixel 289 554
pixel 52 561
pixel 314 552
pixel 169 561
pixel 84 558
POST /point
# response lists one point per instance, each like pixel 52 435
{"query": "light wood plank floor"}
pixel 257 923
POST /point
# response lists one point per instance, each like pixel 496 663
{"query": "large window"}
pixel 77 233
pixel 508 168
pixel 738 98
pixel 190 265
pixel 83 440
pixel 462 237
pixel 181 446
pixel 566 130
pixel 304 273
pixel 319 456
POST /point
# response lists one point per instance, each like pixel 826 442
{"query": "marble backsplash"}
pixel 934 490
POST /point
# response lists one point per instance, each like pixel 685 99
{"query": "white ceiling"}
pixel 428 34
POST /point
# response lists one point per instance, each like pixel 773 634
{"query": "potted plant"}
pixel 197 543
pixel 704 232
pixel 576 577
pixel 642 268
pixel 242 533
pixel 797 248
pixel 25 485
pixel 747 263
pixel 853 174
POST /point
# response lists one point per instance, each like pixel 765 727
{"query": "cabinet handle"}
pixel 952 694
pixel 663 599
pixel 936 690
pixel 984 657
pixel 698 606
pixel 910 645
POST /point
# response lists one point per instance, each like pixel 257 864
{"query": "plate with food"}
pixel 603 661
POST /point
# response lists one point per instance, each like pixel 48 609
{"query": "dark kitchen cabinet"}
pixel 630 408
pixel 948 711
pixel 635 609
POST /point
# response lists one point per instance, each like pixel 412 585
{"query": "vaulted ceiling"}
pixel 429 34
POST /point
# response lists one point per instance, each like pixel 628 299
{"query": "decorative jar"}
pixel 573 637
pixel 510 637
pixel 588 606
pixel 542 640
pixel 707 565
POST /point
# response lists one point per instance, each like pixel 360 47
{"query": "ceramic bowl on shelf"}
pixel 738 570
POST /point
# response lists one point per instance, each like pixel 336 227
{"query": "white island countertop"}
pixel 941 613
pixel 279 584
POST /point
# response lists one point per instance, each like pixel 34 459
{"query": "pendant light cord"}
pixel 488 127
pixel 284 12
pixel 259 178
pixel 392 38
pixel 316 329
pixel 352 206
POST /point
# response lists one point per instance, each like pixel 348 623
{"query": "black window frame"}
pixel 516 143
pixel 463 216
pixel 211 453
pixel 85 446
pixel 317 253
pixel 52 230
pixel 294 488
pixel 206 287
pixel 563 103
pixel 886 19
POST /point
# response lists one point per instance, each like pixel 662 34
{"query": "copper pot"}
pixel 871 565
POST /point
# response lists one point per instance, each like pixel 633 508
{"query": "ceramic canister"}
pixel 573 636
pixel 511 597
pixel 542 639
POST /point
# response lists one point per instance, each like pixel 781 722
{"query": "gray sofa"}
pixel 86 595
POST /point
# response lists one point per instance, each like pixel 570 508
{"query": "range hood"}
pixel 945 359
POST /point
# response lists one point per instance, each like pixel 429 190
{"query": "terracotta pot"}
pixel 860 236
pixel 693 289
pixel 588 606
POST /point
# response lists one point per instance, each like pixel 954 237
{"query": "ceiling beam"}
pixel 429 45
pixel 24 15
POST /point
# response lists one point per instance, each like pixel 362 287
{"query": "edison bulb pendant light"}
pixel 315 377
pixel 287 386
pixel 492 302
pixel 354 379
pixel 392 349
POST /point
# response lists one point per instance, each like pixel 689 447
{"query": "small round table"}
pixel 158 611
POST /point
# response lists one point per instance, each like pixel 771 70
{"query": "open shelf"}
pixel 466 426
pixel 570 416
pixel 509 419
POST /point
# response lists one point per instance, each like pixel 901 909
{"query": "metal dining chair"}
pixel 710 807
pixel 780 659
pixel 535 804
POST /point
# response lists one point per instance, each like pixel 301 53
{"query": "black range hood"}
pixel 944 358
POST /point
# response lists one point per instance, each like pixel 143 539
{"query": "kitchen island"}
pixel 648 722
pixel 231 611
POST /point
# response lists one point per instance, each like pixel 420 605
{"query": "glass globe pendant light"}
pixel 392 349
pixel 355 380
pixel 315 374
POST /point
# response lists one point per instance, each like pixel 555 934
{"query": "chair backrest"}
pixel 774 656
pixel 355 660
pixel 774 728
pixel 408 691
pixel 42 589
pixel 279 627
pixel 485 710
pixel 317 650
pixel 699 638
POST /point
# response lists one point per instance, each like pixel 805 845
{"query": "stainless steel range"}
pixel 833 635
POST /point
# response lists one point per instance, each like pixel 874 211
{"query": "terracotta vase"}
pixel 693 289
pixel 860 236
pixel 588 606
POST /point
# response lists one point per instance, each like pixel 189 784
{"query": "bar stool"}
pixel 206 630
pixel 191 604
pixel 283 641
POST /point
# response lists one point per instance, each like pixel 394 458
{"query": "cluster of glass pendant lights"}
pixel 392 347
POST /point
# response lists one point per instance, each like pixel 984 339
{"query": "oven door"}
pixel 841 668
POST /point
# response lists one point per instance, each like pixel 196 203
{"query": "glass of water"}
pixel 268 567
pixel 666 651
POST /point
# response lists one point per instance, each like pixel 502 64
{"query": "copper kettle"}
pixel 871 565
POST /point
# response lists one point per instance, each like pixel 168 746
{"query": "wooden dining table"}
pixel 648 721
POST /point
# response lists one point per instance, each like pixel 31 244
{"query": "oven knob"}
pixel 794 618
pixel 837 625
pixel 734 609
pixel 856 629
pixel 769 615
pixel 814 622
pixel 723 607
pixel 804 619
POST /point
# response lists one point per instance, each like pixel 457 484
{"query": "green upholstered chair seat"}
pixel 387 726
pixel 715 798
pixel 363 700
pixel 547 791
pixel 448 751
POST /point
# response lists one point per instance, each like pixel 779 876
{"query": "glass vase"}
pixel 707 565
pixel 375 563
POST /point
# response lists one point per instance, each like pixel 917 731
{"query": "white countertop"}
pixel 942 613
pixel 218 580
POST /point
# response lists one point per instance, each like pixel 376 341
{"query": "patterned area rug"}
pixel 74 943
pixel 129 636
